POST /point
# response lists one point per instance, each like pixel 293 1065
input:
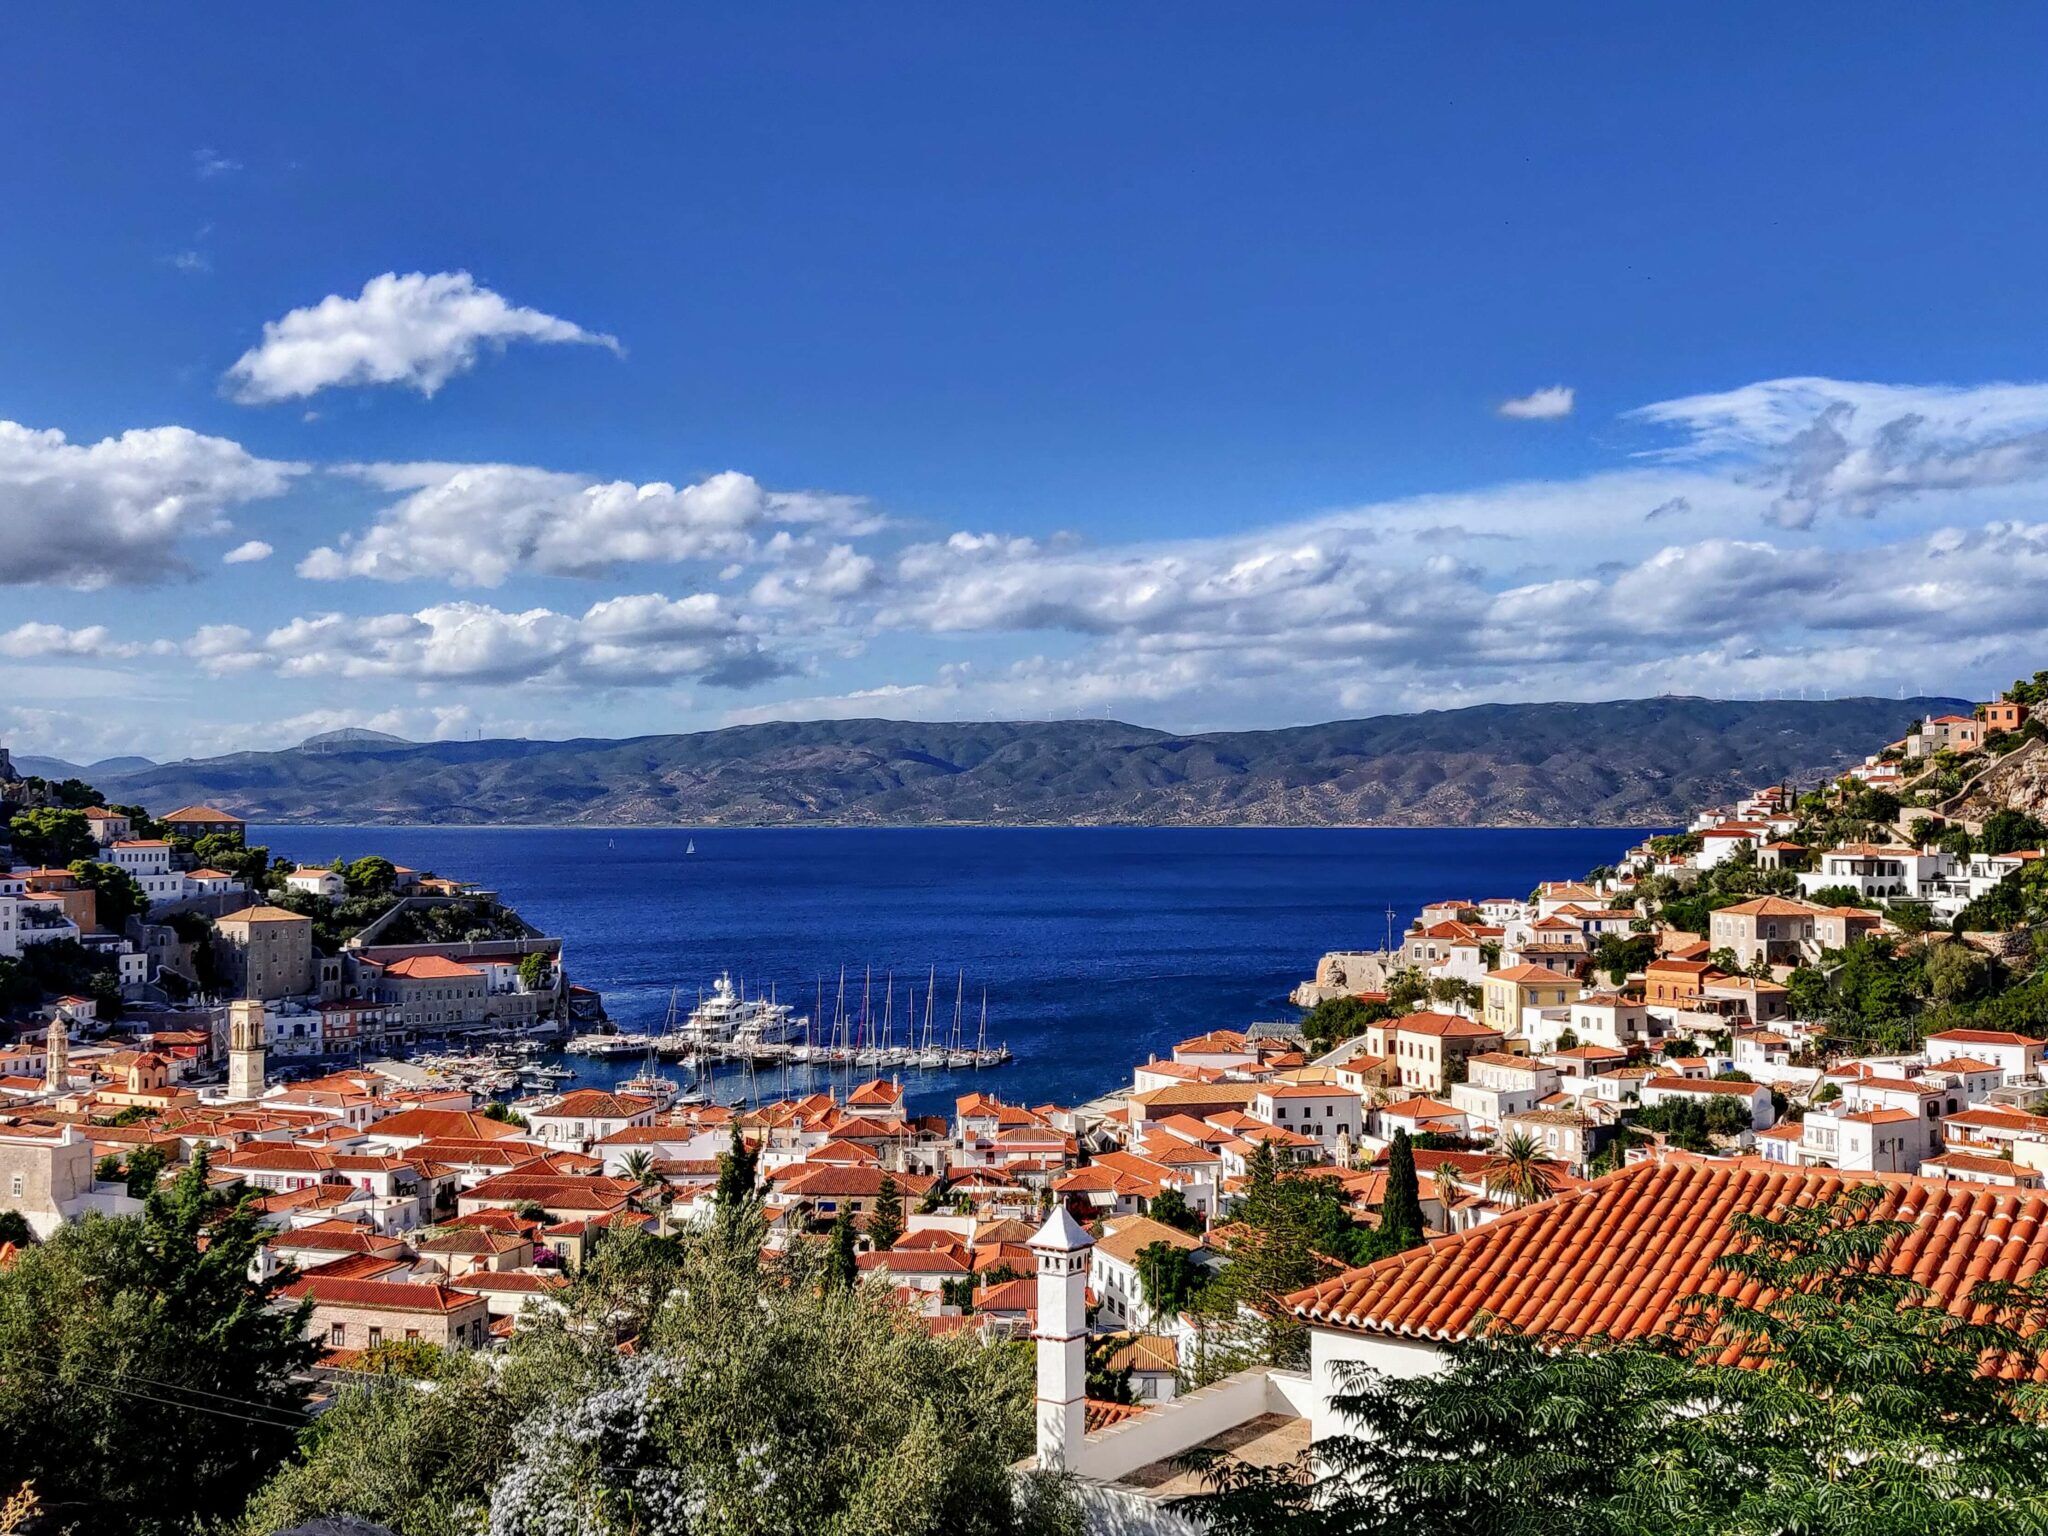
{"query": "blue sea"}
pixel 1095 946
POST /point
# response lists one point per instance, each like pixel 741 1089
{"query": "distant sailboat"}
pixel 693 846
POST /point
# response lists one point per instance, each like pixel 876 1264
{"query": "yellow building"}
pixel 1508 992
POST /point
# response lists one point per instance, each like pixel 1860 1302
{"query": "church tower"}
pixel 57 1053
pixel 1062 1339
pixel 245 1049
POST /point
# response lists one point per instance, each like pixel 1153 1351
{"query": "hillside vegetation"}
pixel 1631 762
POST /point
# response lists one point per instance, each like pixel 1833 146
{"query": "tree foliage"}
pixel 145 1380
pixel 117 895
pixel 52 838
pixel 1860 1408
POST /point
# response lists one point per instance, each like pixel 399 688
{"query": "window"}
pixel 336 1333
pixel 376 1337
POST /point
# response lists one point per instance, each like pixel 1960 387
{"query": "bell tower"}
pixel 245 1048
pixel 1062 1339
pixel 57 1052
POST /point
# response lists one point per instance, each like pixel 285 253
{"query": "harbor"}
pixel 729 1047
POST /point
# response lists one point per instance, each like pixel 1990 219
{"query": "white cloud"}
pixel 476 524
pixel 623 642
pixel 36 640
pixel 417 330
pixel 246 552
pixel 1826 445
pixel 191 262
pixel 91 515
pixel 1549 404
pixel 209 163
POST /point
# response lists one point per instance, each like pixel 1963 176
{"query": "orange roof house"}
pixel 1615 1257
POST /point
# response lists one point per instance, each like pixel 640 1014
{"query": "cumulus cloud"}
pixel 90 515
pixel 1550 404
pixel 623 642
pixel 248 551
pixel 417 330
pixel 476 524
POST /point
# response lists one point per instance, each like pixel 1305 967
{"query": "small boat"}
pixel 692 848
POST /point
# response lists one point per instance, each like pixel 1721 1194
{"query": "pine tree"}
pixel 885 1222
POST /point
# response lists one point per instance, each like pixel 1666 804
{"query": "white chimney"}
pixel 1062 1339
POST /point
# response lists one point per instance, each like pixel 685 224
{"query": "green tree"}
pixel 117 895
pixel 226 852
pixel 1401 1207
pixel 1956 973
pixel 50 838
pixel 145 1167
pixel 1171 1207
pixel 2008 830
pixel 1167 1277
pixel 1861 1408
pixel 370 876
pixel 1284 1230
pixel 535 971
pixel 737 1187
pixel 1337 1019
pixel 1517 1172
pixel 841 1269
pixel 146 1383
pixel 885 1221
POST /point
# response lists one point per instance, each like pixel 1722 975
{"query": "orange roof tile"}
pixel 1615 1257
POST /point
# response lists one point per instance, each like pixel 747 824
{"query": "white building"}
pixel 324 883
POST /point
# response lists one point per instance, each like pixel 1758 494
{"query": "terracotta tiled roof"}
pixel 1985 1037
pixel 1453 1024
pixel 595 1104
pixel 1540 974
pixel 1615 1257
pixel 430 968
pixel 379 1294
pixel 1130 1236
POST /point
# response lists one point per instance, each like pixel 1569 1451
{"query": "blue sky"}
pixel 556 375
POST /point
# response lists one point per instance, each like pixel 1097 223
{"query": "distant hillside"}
pixel 1633 762
pixel 58 768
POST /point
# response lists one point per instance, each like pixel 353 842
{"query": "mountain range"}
pixel 1633 762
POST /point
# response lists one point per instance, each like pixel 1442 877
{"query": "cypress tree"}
pixel 1401 1210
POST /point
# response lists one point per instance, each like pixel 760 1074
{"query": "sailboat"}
pixel 692 847
pixel 955 1056
pixel 929 1055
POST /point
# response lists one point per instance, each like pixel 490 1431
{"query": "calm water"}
pixel 1096 945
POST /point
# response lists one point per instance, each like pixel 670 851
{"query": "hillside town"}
pixel 1797 994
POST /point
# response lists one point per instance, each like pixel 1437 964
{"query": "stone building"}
pixel 266 953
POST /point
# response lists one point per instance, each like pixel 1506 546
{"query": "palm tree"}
pixel 639 1167
pixel 1446 1181
pixel 1517 1171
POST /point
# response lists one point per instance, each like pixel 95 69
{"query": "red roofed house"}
pixel 193 822
pixel 432 991
pixel 1325 1111
pixel 1427 1048
pixel 1661 1090
pixel 1614 1258
pixel 2018 1057
pixel 1517 988
pixel 364 1314
pixel 589 1115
